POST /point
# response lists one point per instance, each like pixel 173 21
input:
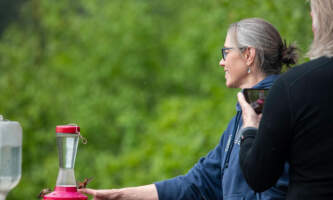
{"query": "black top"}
pixel 297 126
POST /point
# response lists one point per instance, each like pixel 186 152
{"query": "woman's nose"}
pixel 222 63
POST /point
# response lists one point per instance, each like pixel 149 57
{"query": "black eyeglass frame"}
pixel 224 49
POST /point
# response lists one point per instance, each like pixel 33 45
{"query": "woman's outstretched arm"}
pixel 146 192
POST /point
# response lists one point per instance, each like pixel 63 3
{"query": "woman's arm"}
pixel 264 152
pixel 203 181
pixel 147 192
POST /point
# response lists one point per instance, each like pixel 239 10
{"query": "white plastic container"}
pixel 10 155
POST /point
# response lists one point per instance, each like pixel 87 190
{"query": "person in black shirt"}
pixel 297 122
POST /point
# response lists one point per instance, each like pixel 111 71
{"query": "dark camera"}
pixel 256 98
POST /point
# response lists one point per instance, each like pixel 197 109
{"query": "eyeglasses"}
pixel 225 53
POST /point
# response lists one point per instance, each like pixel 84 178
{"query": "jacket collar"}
pixel 266 83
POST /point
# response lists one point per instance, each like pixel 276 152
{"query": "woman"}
pixel 252 56
pixel 297 127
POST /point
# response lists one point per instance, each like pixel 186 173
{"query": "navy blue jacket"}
pixel 218 174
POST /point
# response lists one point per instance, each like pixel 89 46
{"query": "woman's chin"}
pixel 227 82
pixel 229 85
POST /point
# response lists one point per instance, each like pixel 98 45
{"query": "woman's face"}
pixel 234 65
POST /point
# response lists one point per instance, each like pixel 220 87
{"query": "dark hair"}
pixel 271 52
pixel 289 54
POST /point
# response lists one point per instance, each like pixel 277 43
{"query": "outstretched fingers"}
pixel 88 191
pixel 107 194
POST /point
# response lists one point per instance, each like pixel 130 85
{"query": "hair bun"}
pixel 289 54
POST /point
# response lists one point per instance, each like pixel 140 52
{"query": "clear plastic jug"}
pixel 10 155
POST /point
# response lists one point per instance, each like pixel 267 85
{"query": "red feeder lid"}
pixel 67 129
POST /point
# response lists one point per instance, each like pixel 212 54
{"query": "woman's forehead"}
pixel 228 40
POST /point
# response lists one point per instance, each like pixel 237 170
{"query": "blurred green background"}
pixel 140 77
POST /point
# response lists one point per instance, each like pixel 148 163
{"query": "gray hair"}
pixel 271 51
pixel 322 16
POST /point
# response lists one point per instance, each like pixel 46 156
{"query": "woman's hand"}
pixel 250 117
pixel 102 194
pixel 146 192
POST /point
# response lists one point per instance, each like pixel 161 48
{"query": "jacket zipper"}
pixel 226 163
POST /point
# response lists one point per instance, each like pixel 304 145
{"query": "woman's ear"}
pixel 250 55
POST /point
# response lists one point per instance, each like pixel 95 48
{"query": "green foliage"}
pixel 141 78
